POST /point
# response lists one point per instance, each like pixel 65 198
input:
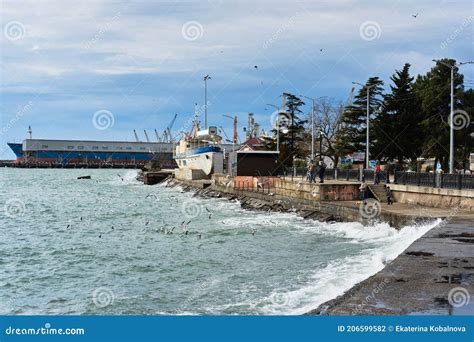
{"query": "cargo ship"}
pixel 46 153
pixel 91 153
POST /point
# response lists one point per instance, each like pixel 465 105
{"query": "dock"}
pixel 155 177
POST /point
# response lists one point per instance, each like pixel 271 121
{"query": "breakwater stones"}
pixel 256 201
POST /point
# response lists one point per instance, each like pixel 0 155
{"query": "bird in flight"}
pixel 414 15
pixel 255 66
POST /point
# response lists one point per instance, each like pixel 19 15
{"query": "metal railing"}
pixel 435 180
pixel 428 179
pixel 348 175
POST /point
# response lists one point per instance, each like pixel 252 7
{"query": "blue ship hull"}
pixel 64 158
pixel 17 148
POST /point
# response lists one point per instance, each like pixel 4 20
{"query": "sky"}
pixel 100 69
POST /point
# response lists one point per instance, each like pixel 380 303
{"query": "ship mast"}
pixel 195 128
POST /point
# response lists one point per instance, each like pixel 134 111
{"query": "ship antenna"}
pixel 30 133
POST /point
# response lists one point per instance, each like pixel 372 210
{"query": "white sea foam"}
pixel 121 177
pixel 341 275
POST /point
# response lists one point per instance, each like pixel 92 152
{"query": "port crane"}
pixel 146 136
pixel 157 136
pixel 136 136
pixel 225 134
pixel 167 137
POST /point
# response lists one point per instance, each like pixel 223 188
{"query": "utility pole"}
pixel 206 78
pixel 367 139
pixel 313 107
pixel 451 114
pixel 312 124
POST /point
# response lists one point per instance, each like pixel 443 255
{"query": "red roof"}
pixel 253 144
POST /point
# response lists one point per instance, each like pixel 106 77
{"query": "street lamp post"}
pixel 451 114
pixel 320 143
pixel 313 107
pixel 312 125
pixel 367 123
pixel 234 139
pixel 206 78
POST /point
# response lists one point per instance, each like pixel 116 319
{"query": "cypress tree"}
pixel 396 128
pixel 352 133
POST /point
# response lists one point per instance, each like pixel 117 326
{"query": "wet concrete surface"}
pixel 433 276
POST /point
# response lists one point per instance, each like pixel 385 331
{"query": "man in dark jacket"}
pixel 321 171
pixel 389 195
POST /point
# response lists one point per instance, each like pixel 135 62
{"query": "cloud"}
pixel 123 55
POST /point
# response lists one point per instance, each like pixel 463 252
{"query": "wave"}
pixel 339 276
pixel 127 178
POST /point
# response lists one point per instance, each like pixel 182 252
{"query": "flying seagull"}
pixel 210 214
pixel 414 15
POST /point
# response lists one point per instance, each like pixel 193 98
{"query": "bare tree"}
pixel 326 125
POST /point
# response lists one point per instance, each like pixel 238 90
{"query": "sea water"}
pixel 111 245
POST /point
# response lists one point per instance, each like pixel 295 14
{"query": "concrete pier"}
pixel 155 177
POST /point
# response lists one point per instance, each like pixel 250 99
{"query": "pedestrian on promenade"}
pixel 389 195
pixel 321 171
pixel 363 190
pixel 377 173
pixel 308 171
pixel 312 172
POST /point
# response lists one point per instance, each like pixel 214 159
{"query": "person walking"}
pixel 308 171
pixel 377 173
pixel 312 172
pixel 363 190
pixel 389 195
pixel 321 171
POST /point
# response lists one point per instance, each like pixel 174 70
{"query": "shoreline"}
pixel 420 280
